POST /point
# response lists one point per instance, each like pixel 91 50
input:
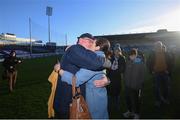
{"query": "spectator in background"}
pixel 171 57
pixel 10 65
pixel 114 73
pixel 160 65
pixel 141 56
pixel 134 80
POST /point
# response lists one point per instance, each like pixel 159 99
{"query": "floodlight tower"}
pixel 49 13
pixel 30 37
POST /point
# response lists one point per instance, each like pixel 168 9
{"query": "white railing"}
pixel 40 55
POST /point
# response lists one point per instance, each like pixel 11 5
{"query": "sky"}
pixel 71 18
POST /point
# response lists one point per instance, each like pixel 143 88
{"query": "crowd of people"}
pixel 99 70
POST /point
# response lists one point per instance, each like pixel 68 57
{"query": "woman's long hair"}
pixel 104 45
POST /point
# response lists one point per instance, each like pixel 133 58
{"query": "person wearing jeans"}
pixel 160 66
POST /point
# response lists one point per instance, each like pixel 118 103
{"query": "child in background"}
pixel 134 80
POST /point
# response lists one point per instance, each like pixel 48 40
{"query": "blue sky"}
pixel 74 17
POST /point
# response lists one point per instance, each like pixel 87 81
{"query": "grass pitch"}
pixel 29 99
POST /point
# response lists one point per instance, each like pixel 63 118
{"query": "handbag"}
pixel 78 107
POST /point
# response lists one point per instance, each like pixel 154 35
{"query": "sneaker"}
pixel 136 116
pixel 128 114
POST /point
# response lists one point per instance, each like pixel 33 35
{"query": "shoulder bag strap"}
pixel 73 85
pixel 74 92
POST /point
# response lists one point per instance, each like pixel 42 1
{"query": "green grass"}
pixel 29 99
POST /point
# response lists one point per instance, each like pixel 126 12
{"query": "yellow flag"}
pixel 53 80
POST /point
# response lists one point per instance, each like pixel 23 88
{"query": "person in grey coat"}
pixel 134 80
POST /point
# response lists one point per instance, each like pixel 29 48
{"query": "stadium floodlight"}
pixel 30 38
pixel 49 13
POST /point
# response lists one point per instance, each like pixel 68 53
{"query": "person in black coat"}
pixel 114 74
pixel 10 65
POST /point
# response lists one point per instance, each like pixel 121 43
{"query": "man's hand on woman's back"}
pixel 102 82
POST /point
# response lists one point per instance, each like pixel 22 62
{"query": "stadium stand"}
pixel 145 41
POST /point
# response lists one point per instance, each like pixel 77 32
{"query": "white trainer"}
pixel 128 114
